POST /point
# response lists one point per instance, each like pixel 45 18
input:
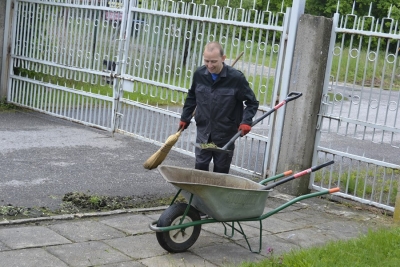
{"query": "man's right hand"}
pixel 183 125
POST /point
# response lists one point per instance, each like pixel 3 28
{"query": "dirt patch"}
pixel 77 202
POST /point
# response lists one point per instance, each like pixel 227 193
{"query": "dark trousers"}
pixel 222 161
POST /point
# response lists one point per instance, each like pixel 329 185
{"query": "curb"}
pixel 80 215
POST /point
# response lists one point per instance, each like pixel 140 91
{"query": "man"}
pixel 217 93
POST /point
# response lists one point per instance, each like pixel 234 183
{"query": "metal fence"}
pixel 359 123
pixel 165 50
pixel 126 66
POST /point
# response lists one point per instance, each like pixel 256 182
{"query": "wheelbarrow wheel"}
pixel 178 240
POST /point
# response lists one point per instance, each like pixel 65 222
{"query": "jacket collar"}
pixel 222 73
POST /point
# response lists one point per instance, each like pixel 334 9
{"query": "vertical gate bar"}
pixel 135 131
pixel 69 104
pixel 57 102
pixel 62 103
pixel 180 47
pixel 46 99
pixel 390 186
pixel 382 187
pixel 96 111
pixel 25 33
pixel 250 153
pixel 40 97
pixel 81 106
pixel 104 112
pixel 74 110
pixel 18 43
pixel 33 27
pixel 53 38
pixel 24 98
pixel 32 93
pixel 91 110
pixel 86 55
pixel 100 119
pixel 283 73
pixel 123 110
pixel 365 181
pixel 54 99
pixel 85 107
pixel 11 93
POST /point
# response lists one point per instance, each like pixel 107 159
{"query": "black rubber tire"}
pixel 181 239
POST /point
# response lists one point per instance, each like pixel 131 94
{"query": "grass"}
pixel 376 248
pixel 368 183
pixel 362 71
pixel 4 106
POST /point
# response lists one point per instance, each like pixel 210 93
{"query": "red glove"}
pixel 183 125
pixel 245 128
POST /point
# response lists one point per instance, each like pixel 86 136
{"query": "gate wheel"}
pixel 178 240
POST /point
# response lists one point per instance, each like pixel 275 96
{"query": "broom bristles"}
pixel 157 158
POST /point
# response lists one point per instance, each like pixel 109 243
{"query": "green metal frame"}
pixel 231 224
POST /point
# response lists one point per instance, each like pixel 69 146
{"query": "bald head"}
pixel 214 57
pixel 210 47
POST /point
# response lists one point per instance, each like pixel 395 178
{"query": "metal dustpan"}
pixel 224 149
pixel 224 197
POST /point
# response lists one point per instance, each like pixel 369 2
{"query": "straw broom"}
pixel 157 158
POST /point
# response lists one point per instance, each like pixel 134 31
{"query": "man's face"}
pixel 213 60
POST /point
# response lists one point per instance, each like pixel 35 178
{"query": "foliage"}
pixel 4 106
pixel 371 183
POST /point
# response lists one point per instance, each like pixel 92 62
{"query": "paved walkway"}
pixel 43 157
pixel 123 238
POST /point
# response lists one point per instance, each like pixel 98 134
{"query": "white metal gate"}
pixel 125 66
pixel 359 122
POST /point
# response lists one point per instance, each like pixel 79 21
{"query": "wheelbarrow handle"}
pixel 291 96
pixel 297 175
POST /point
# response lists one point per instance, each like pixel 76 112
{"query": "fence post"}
pixel 5 32
pixel 396 214
pixel 307 76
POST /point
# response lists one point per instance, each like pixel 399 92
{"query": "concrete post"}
pixel 307 76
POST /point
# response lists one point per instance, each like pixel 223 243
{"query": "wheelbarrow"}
pixel 223 198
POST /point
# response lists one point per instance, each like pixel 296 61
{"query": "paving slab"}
pixel 82 231
pixel 30 236
pixel 87 254
pixel 125 264
pixel 177 260
pixel 304 238
pixel 138 246
pixel 33 257
pixel 227 254
pixel 3 247
pixel 131 224
pixel 271 245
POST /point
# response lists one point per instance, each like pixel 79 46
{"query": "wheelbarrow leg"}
pixel 241 231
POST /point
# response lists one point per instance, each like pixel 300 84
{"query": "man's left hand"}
pixel 245 128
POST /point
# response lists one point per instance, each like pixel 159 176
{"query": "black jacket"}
pixel 219 105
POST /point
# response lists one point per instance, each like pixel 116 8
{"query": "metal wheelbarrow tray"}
pixel 224 198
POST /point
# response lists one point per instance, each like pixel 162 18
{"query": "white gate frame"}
pixel 365 169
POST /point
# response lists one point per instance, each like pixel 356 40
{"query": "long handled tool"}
pixel 157 158
pixel 297 175
pixel 224 149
